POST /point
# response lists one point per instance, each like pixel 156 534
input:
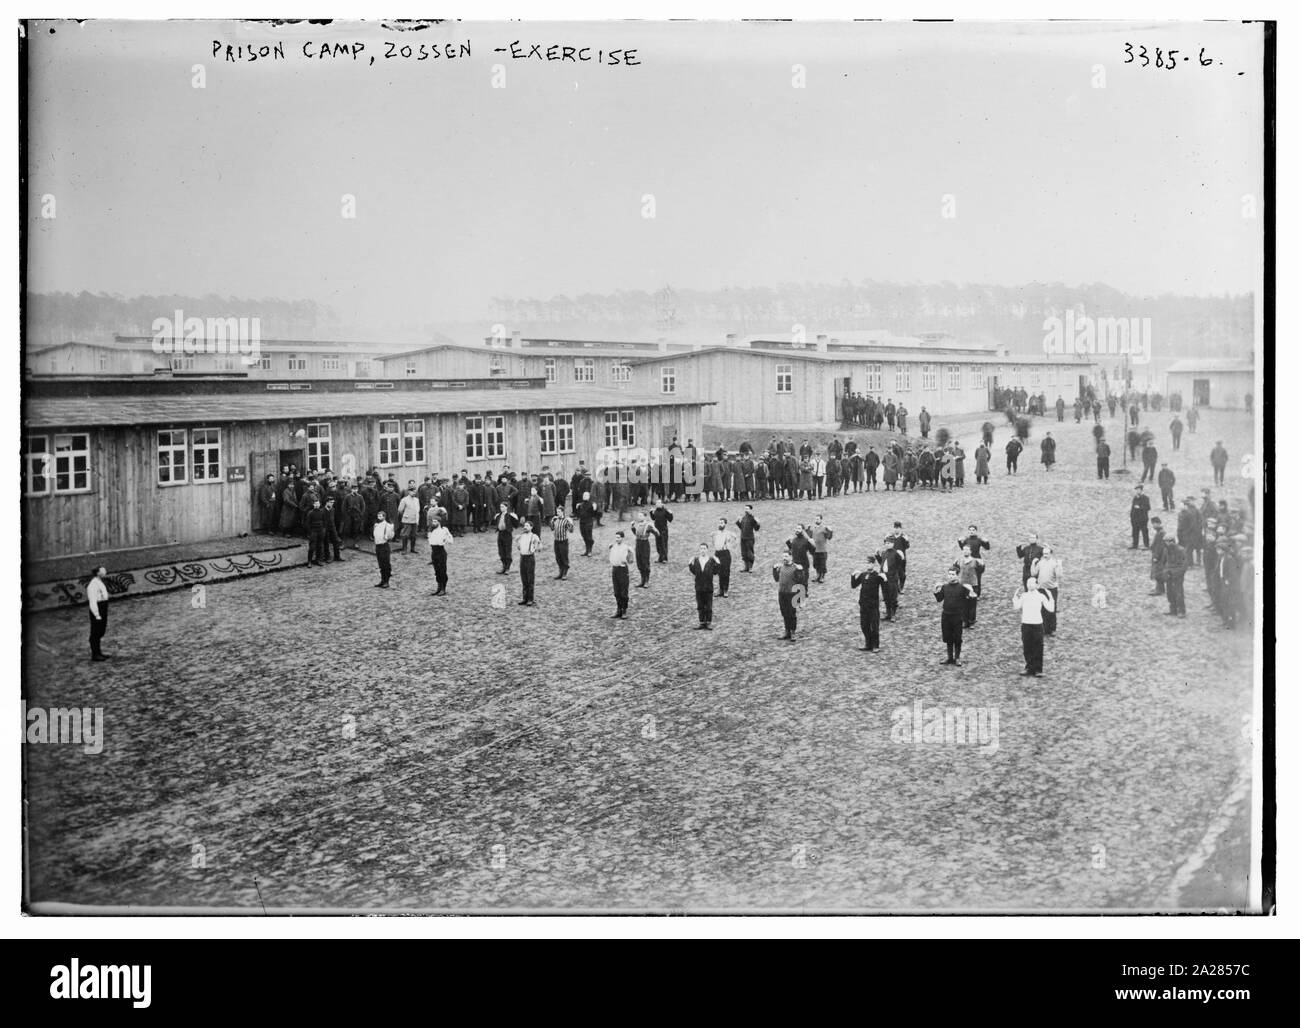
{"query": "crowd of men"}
pixel 334 512
pixel 1218 537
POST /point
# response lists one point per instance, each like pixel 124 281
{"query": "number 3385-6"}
pixel 1163 59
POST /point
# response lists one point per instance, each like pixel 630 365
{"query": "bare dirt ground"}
pixel 306 740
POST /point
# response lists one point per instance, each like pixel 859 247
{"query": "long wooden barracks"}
pixel 111 463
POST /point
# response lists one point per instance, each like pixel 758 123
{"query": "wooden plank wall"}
pixel 127 507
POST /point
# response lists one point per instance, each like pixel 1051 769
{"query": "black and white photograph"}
pixel 645 467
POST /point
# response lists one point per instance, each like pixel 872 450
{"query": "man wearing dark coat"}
pixel 661 515
pixel 704 567
pixel 868 582
pixel 1138 513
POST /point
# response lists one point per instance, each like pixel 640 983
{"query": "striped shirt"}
pixel 561 526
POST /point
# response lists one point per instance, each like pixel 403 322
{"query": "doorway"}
pixel 1201 392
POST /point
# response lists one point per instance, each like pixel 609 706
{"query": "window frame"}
pixel 954 376
pixel 494 437
pixel 668 379
pixel 929 378
pixel 43 453
pixel 551 370
pixel 413 441
pixel 171 447
pixel 393 439
pixel 902 378
pixel 474 438
pixel 874 378
pixel 296 363
pixel 195 446
pixel 320 443
pixel 785 377
pixel 584 369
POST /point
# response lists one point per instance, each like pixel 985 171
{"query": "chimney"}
pixel 663 345
pixel 821 343
pixel 731 338
pixel 514 338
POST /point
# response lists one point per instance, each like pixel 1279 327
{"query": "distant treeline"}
pixel 1191 325
pixel 53 318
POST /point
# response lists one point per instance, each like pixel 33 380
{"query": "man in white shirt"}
pixel 1031 602
pixel 97 600
pixel 439 539
pixel 620 557
pixel 409 512
pixel 383 535
pixel 1047 569
pixel 528 543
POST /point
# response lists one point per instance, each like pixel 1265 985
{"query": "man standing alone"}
pixel 97 602
pixel 439 539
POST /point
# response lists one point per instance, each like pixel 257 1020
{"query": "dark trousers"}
pixel 1049 616
pixel 643 559
pixel 869 619
pixel 588 540
pixel 788 613
pixel 1103 467
pixel 1174 591
pixel 1148 472
pixel 562 556
pixel 724 570
pixel 1167 499
pixel 1013 464
pixel 1218 475
pixel 890 590
pixel 902 575
pixel 951 624
pixel 661 546
pixel 1178 439
pixel 440 566
pixel 527 574
pixel 747 551
pixel 620 588
pixel 505 547
pixel 1141 526
pixel 704 604
pixel 315 547
pixel 98 628
pixel 969 611
pixel 384 556
pixel 1031 638
pixel 332 543
pixel 819 564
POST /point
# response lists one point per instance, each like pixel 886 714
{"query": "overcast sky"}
pixel 465 191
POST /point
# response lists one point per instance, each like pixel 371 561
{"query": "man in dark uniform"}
pixel 704 567
pixel 952 594
pixel 1174 568
pixel 1138 512
pixel 1219 461
pixel 332 537
pixel 661 515
pixel 642 530
pixel 899 541
pixel 1028 553
pixel 1158 545
pixel 587 514
pixel 1190 530
pixel 868 583
pixel 871 462
pixel 890 562
pixel 1014 446
pixel 788 577
pixel 1103 459
pixel 748 525
pixel 1165 480
pixel 316 534
pixel 506 520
